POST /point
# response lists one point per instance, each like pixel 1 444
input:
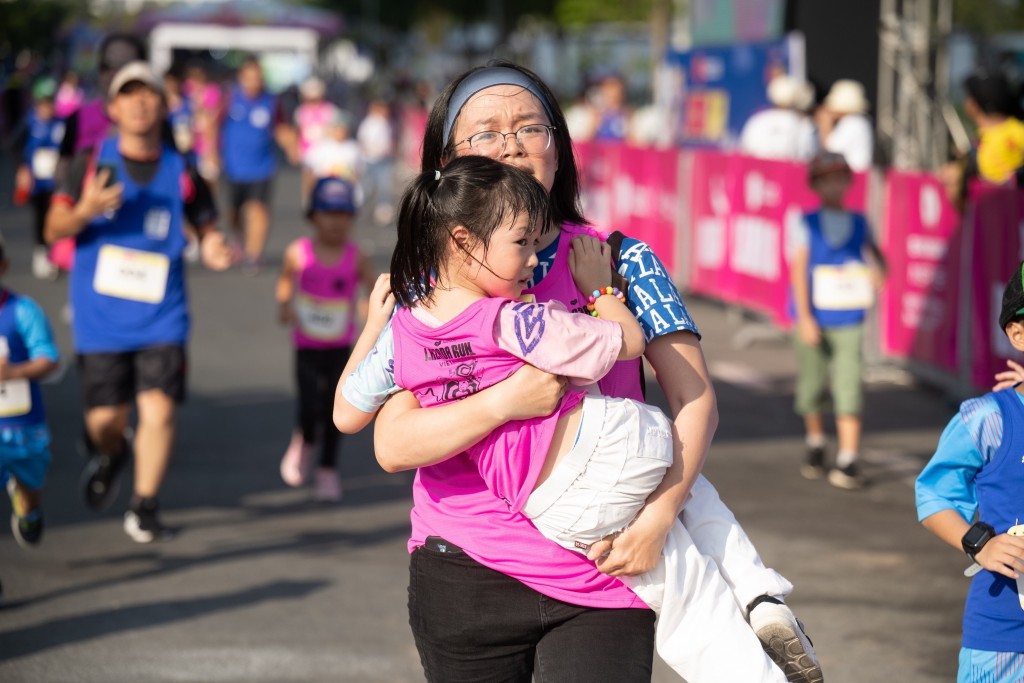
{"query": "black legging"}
pixel 317 372
pixel 40 204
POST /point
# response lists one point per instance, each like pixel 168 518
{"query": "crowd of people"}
pixel 500 358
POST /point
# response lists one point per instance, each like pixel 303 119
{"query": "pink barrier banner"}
pixel 739 210
pixel 634 190
pixel 921 241
pixel 998 218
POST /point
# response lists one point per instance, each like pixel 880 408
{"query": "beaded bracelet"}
pixel 609 291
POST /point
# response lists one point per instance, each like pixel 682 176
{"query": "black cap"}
pixel 1013 298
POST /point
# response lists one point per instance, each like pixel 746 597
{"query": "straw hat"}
pixel 846 97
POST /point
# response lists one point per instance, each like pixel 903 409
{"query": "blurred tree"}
pixel 577 13
pixel 989 16
pixel 33 24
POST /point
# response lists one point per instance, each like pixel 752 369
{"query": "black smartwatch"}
pixel 976 537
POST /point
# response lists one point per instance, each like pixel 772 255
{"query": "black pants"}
pixel 40 205
pixel 475 624
pixel 317 372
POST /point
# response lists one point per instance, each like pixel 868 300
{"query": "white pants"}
pixel 620 457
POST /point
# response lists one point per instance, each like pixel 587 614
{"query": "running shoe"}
pixel 42 268
pixel 814 466
pixel 142 523
pixel 783 638
pixel 297 461
pixel 327 485
pixel 101 475
pixel 848 477
pixel 26 524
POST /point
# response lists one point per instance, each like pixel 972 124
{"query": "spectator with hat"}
pixel 832 289
pixel 318 297
pixel 783 131
pixel 843 124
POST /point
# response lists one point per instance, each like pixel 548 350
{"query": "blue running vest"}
pixel 128 281
pixel 820 253
pixel 993 616
pixel 247 138
pixel 21 401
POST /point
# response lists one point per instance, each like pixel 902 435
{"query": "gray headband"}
pixel 485 78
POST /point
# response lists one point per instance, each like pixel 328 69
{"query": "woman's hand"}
pixel 636 550
pixel 526 393
pixel 1008 378
pixel 591 263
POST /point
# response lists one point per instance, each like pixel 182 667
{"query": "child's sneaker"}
pixel 783 638
pixel 42 268
pixel 327 486
pixel 27 525
pixel 297 461
pixel 142 523
pixel 848 477
pixel 814 467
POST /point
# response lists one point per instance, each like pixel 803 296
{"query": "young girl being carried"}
pixel 584 472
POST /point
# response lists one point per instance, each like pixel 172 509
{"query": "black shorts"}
pixel 113 379
pixel 258 191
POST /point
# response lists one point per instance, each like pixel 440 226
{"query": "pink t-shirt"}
pixel 478 348
pixel 325 298
pixel 312 119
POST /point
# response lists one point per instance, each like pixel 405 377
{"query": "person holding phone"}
pixel 126 203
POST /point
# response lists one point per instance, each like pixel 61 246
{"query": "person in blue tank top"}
pixel 126 205
pixel 833 287
pixel 27 355
pixel 251 123
pixel 35 176
pixel 971 495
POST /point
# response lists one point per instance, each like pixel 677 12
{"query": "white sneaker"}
pixel 783 639
pixel 42 268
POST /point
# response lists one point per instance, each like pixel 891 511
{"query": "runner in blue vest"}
pixel 126 205
pixel 252 121
pixel 832 288
pixel 977 473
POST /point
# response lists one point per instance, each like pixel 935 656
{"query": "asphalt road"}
pixel 264 585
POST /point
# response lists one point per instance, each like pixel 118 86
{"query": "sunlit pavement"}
pixel 265 585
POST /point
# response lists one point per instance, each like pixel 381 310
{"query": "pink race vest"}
pixel 623 381
pixel 452 500
pixel 325 298
pixel 313 119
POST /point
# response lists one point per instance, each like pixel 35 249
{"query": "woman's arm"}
pixel 678 363
pixel 407 436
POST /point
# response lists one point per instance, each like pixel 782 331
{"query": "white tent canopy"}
pixel 167 36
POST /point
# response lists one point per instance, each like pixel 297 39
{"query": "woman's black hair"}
pixel 475 192
pixel 565 192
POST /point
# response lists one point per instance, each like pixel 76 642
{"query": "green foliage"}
pixel 577 13
pixel 33 24
pixel 989 16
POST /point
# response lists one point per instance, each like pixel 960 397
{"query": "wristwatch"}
pixel 976 537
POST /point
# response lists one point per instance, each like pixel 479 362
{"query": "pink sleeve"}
pixel 550 338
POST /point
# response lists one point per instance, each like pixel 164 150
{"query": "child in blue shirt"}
pixel 27 354
pixel 977 473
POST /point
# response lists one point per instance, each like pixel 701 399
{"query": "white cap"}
pixel 134 71
pixel 846 97
pixel 783 91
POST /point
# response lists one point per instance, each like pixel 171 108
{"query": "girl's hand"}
pixel 381 303
pixel 1008 378
pixel 286 314
pixel 1004 555
pixel 590 262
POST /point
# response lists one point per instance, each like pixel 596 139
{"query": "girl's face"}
pixel 332 227
pixel 505 264
pixel 506 109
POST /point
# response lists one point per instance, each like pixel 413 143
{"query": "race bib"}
pixel 15 398
pixel 842 288
pixel 44 163
pixel 322 320
pixel 183 138
pixel 131 274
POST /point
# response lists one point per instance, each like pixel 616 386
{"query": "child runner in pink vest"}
pixel 582 473
pixel 317 294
